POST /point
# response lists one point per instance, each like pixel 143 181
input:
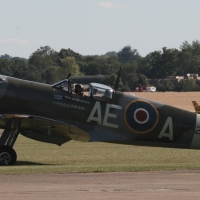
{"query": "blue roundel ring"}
pixel 141 116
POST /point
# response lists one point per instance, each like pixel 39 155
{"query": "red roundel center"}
pixel 141 115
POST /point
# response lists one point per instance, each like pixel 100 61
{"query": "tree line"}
pixel 49 66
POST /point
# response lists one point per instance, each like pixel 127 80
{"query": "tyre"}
pixel 8 156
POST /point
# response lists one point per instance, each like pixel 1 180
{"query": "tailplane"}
pixel 196 107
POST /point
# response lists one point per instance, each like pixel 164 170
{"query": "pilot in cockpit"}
pixel 79 89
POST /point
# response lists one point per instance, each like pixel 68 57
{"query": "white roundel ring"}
pixel 141 115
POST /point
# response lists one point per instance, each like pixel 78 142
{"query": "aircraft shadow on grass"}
pixel 19 163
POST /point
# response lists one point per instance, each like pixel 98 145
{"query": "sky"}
pixel 95 27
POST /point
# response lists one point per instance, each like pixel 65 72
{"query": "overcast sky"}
pixel 94 27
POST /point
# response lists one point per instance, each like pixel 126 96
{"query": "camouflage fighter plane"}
pixel 55 114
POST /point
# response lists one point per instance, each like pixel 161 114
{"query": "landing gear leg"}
pixel 8 155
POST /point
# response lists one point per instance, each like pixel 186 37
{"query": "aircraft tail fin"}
pixel 196 107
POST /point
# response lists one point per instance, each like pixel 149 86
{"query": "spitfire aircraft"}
pixel 57 114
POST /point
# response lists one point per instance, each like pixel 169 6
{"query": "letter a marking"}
pixel 167 124
pixel 97 107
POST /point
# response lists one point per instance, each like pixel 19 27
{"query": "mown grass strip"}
pixel 41 158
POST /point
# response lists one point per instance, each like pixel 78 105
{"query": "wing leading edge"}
pixel 45 130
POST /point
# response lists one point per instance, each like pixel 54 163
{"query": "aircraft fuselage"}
pixel 127 119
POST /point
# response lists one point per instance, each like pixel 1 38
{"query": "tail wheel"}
pixel 8 155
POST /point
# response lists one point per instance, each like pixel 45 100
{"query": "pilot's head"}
pixel 79 89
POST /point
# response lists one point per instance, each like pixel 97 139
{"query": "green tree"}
pixel 69 65
pixel 44 57
pixel 165 85
pixel 142 79
pixel 51 75
pixel 33 74
pixel 127 54
pixel 69 53
pixel 95 65
pixel 194 48
pixel 6 67
pixel 187 85
pixel 164 63
pixel 111 53
pixel 128 74
pixel 20 68
pixel 190 57
pixel 144 66
pixel 110 80
pixel 5 56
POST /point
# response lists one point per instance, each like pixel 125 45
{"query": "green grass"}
pixel 41 158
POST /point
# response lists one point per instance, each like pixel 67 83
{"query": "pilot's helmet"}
pixel 78 88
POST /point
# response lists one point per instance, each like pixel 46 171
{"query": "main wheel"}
pixel 8 155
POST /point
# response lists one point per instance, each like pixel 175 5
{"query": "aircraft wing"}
pixel 45 130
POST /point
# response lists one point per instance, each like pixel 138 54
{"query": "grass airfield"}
pixel 42 158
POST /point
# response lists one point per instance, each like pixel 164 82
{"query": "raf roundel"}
pixel 141 116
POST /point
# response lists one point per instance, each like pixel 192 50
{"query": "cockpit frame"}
pixel 100 92
pixel 64 85
pixel 97 91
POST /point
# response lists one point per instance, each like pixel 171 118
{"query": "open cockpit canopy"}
pixel 96 90
pixel 100 92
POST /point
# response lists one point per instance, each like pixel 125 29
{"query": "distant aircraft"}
pixel 196 107
pixel 56 114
